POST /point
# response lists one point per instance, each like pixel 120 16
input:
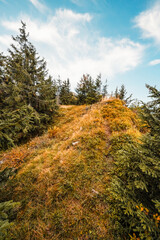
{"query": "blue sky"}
pixel 118 38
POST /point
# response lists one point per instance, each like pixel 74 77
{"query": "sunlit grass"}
pixel 63 175
pixel 62 182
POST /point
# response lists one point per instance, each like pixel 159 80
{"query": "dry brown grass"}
pixel 63 175
pixel 62 181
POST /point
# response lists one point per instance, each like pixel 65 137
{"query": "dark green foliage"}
pixel 65 93
pixel 8 209
pixel 28 75
pixel 135 186
pixel 116 93
pixel 104 90
pixel 66 97
pixel 27 92
pixel 122 94
pixel 2 81
pixel 18 125
pixel 4 176
pixel 89 90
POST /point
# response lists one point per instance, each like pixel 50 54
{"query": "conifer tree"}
pixel 135 188
pixel 65 93
pixel 104 90
pixel 2 81
pixel 8 209
pixel 2 58
pixel 29 74
pixel 89 90
pixel 122 94
pixel 116 93
pixel 28 92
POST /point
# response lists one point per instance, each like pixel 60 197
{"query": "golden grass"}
pixel 62 181
pixel 125 125
pixel 62 176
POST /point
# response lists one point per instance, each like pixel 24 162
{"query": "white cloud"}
pixel 154 62
pixel 11 25
pixel 5 40
pixel 71 48
pixel 77 2
pixel 149 22
pixel 69 15
pixel 41 7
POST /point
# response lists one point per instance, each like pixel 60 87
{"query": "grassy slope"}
pixel 63 175
pixel 62 178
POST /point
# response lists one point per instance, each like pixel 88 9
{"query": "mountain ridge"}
pixel 62 176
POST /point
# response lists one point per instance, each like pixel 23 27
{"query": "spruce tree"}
pixel 28 92
pixel 105 90
pixel 116 93
pixel 8 209
pixel 29 74
pixel 89 90
pixel 65 93
pixel 135 188
pixel 122 94
pixel 2 82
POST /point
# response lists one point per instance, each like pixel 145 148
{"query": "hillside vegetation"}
pixel 61 179
pixel 95 171
pixel 63 182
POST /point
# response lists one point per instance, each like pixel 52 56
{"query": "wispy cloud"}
pixel 149 22
pixel 41 7
pixel 77 2
pixel 5 40
pixel 71 48
pixel 154 62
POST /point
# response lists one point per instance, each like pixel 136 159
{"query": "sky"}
pixel 119 39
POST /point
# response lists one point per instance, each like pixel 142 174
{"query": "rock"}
pixel 95 191
pixel 75 143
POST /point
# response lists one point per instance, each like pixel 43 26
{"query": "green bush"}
pixel 134 192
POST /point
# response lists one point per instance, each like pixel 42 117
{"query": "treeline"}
pixel 29 96
pixel 88 91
